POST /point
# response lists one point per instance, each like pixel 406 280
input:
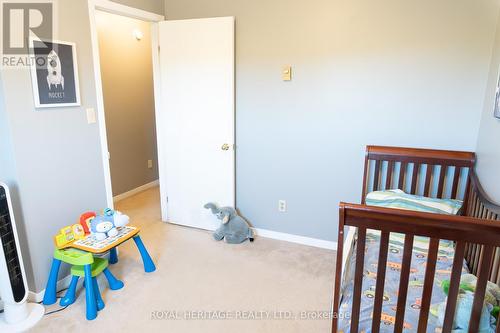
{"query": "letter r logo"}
pixel 22 21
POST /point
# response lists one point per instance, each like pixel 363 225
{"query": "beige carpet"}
pixel 198 277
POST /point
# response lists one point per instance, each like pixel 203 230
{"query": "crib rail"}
pixel 461 229
pixel 481 206
pixel 432 173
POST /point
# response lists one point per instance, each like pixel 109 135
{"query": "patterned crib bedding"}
pixel 417 273
pixel 401 200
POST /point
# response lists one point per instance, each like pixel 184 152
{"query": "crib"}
pixel 474 233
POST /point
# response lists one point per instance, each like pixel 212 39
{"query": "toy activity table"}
pixel 91 245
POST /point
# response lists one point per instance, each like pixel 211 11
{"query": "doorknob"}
pixel 225 146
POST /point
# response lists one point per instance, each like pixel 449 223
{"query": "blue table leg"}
pixel 113 256
pixel 50 296
pixel 149 265
pixel 90 298
pixel 98 297
pixel 114 283
pixel 70 296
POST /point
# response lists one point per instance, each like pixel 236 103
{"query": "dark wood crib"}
pixel 432 173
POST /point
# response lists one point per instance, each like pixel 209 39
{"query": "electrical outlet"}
pixel 282 206
pixel 150 164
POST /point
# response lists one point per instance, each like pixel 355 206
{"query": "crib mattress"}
pixel 417 273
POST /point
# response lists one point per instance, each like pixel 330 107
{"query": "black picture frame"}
pixel 54 74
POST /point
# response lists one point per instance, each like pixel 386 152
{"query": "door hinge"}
pixel 158 48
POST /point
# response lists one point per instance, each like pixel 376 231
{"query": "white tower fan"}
pixel 18 315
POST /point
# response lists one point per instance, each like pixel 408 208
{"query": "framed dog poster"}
pixel 54 74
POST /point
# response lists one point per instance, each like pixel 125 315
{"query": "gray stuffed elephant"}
pixel 234 229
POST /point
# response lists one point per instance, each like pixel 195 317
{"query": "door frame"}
pixel 123 10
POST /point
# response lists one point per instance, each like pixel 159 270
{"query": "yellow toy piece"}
pixel 68 234
pixel 78 231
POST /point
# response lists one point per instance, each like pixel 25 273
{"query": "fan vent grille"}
pixel 9 249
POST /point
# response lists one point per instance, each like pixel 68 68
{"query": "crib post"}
pixel 338 270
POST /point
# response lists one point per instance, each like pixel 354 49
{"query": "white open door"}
pixel 197 118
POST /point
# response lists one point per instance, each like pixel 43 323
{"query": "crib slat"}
pixel 456 179
pixel 402 172
pixel 388 180
pixel 477 257
pixel 454 287
pixel 338 270
pixel 403 283
pixel 471 203
pixel 428 175
pixel 482 279
pixel 428 283
pixel 442 175
pixel 358 279
pixel 376 175
pixel 477 207
pixel 469 256
pixel 466 258
pixel 495 268
pixel 379 288
pixel 472 262
pixel 414 178
pixel 484 212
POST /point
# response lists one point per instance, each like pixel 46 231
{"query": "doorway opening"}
pixel 126 70
pixel 193 89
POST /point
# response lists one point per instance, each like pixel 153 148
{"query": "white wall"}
pixel 488 143
pixel 389 72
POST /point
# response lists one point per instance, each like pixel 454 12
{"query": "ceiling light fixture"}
pixel 138 34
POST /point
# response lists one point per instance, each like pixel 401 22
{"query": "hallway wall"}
pixel 127 79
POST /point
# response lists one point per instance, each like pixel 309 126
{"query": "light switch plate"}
pixel 91 116
pixel 287 73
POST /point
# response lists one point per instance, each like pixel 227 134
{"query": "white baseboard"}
pixel 296 239
pixel 136 190
pixel 38 297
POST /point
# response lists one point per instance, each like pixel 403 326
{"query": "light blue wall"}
pixel 488 144
pixel 57 156
pixel 52 156
pixel 7 168
pixel 403 73
pixel 8 176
